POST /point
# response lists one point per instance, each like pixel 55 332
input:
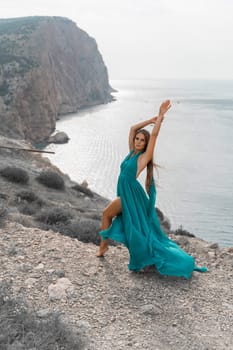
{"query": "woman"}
pixel 135 223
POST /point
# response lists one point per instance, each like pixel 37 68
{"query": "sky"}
pixel 148 39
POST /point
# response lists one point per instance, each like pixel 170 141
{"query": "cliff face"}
pixel 48 67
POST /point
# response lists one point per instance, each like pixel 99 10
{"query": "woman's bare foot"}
pixel 103 248
pixel 101 252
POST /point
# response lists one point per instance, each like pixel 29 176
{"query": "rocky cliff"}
pixel 48 67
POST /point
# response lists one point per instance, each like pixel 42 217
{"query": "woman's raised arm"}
pixel 146 157
pixel 137 127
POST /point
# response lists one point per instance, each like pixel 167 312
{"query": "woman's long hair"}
pixel 150 165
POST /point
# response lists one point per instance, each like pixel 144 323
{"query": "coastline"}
pixel 190 190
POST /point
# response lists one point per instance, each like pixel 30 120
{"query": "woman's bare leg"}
pixel 112 210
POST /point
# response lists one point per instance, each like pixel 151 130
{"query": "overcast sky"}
pixel 148 38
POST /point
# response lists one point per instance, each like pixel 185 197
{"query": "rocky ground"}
pixel 115 308
pixel 49 264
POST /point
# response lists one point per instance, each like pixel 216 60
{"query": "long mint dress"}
pixel 138 228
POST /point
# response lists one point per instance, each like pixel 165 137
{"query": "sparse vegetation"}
pixel 3 215
pixel 22 25
pixel 28 209
pixel 64 221
pixel 21 328
pixel 4 88
pixel 29 196
pixel 182 232
pixel 22 219
pixel 16 64
pixel 29 202
pixel 51 179
pixel 15 174
pixel 55 216
pixel 85 230
pixel 83 189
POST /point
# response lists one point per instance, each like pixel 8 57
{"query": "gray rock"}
pixel 182 240
pixel 40 266
pixel 60 290
pixel 24 268
pixel 83 325
pixel 150 309
pixel 43 313
pixel 214 246
pixel 59 137
pixel 30 282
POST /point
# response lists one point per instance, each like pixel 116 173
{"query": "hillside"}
pixel 59 295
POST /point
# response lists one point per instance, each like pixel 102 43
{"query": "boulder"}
pixel 59 137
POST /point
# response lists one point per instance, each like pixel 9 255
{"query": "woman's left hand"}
pixel 164 107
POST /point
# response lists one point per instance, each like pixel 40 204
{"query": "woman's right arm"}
pixel 137 127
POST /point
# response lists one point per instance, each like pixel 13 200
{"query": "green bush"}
pixel 15 174
pixel 51 179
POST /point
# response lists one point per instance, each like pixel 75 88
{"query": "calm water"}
pixel 194 149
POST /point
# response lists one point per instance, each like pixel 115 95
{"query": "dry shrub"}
pixel 28 202
pixel 51 179
pixel 21 219
pixel 3 215
pixel 54 216
pixel 15 174
pixel 182 232
pixel 21 328
pixel 82 189
pixel 28 196
pixel 85 230
pixel 62 221
pixel 28 208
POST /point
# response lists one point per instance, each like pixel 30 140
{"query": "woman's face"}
pixel 139 142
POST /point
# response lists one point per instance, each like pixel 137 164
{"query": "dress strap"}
pixel 131 155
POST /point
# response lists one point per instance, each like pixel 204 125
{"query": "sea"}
pixel 193 153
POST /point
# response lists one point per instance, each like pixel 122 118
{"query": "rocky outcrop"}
pixel 48 67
